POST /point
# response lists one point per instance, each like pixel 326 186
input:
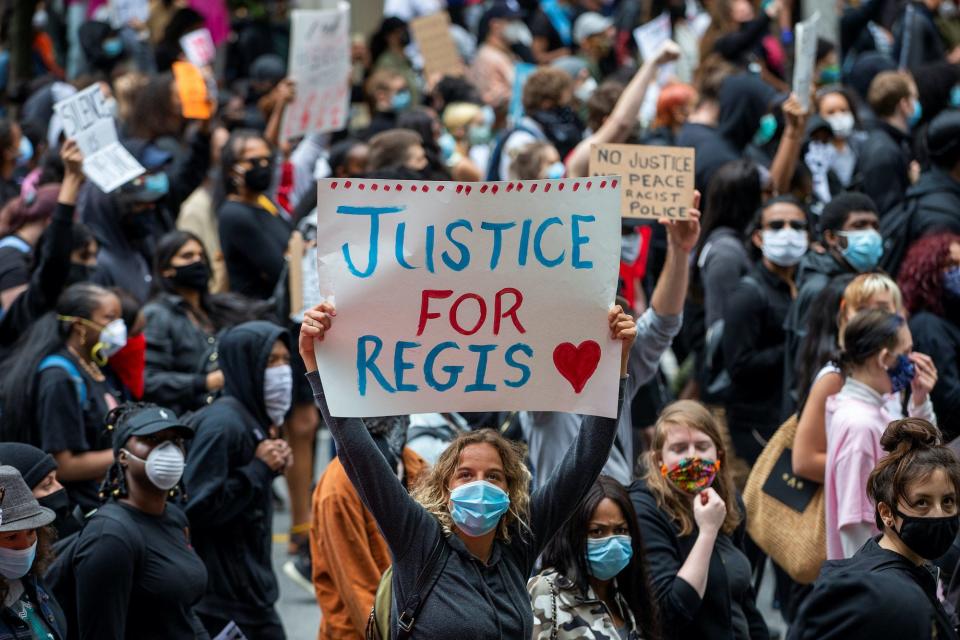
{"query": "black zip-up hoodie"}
pixel 875 595
pixel 229 499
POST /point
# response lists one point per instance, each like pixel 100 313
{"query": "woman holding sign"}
pixel 472 525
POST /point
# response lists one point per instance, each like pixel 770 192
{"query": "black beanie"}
pixel 32 463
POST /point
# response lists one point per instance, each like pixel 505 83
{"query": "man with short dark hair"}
pixel 886 154
pixel 850 231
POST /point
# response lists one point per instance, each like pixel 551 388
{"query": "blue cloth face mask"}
pixel 768 129
pixel 864 249
pixel 477 507
pixel 955 96
pixel 555 171
pixel 607 557
pixel 951 282
pixel 113 47
pixel 901 373
pixel 16 563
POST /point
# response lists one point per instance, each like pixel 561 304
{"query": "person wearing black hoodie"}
pixel 231 465
pixel 743 99
pixel 849 229
pixel 936 195
pixel 888 589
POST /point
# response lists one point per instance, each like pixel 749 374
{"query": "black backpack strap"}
pixel 429 574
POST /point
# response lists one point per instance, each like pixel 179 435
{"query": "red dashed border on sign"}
pixel 465 188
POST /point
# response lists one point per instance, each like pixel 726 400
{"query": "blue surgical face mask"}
pixel 476 507
pixel 16 563
pixel 607 557
pixel 25 153
pixel 916 115
pixel 901 373
pixel 864 249
pixel 448 146
pixel 768 129
pixel 113 47
pixel 955 96
pixel 479 134
pixel 951 282
pixel 400 100
pixel 555 171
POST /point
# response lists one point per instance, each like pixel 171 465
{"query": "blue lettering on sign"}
pixel 374 213
pixel 365 362
pixel 453 371
pixel 579 240
pixel 511 361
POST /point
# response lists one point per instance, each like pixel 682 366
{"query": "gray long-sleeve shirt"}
pixel 549 433
pixel 471 600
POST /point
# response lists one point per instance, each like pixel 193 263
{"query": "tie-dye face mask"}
pixel 692 475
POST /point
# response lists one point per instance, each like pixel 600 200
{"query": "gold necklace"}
pixel 94 372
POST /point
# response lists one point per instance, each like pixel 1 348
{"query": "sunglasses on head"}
pixel 796 225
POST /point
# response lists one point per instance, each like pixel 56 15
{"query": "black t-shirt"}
pixel 253 241
pixel 14 267
pixel 62 424
pixel 138 577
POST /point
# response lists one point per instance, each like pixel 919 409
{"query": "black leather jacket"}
pixel 179 356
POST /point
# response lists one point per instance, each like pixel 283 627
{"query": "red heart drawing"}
pixel 577 363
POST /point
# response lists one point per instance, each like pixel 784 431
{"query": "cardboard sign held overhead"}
pixel 199 48
pixel 320 65
pixel 805 59
pixel 480 267
pixel 658 182
pixel 88 120
pixel 192 88
pixel 440 55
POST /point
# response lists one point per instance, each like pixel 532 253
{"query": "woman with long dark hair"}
pixel 183 321
pixel 55 395
pixel 254 231
pixel 137 574
pixel 595 582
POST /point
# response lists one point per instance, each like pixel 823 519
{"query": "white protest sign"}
pixel 469 297
pixel 198 47
pixel 649 38
pixel 122 12
pixel 87 119
pixel 320 65
pixel 805 59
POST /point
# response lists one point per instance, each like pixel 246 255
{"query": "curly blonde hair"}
pixel 671 500
pixel 432 491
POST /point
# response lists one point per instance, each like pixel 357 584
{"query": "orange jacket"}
pixel 349 554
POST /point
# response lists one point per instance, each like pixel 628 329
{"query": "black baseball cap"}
pixel 145 422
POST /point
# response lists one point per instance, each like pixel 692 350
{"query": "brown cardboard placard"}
pixel 658 182
pixel 432 35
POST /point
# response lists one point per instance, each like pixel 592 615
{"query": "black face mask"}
pixel 59 503
pixel 929 538
pixel 80 273
pixel 194 276
pixel 258 178
pixel 136 226
pixel 562 127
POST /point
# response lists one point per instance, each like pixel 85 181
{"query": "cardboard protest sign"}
pixel 192 89
pixel 657 181
pixel 122 12
pixel 199 48
pixel 320 64
pixel 88 119
pixel 469 297
pixel 432 35
pixel 805 59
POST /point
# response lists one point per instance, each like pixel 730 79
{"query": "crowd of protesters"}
pixel 155 381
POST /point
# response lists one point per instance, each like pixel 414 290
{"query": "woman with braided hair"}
pixel 137 574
